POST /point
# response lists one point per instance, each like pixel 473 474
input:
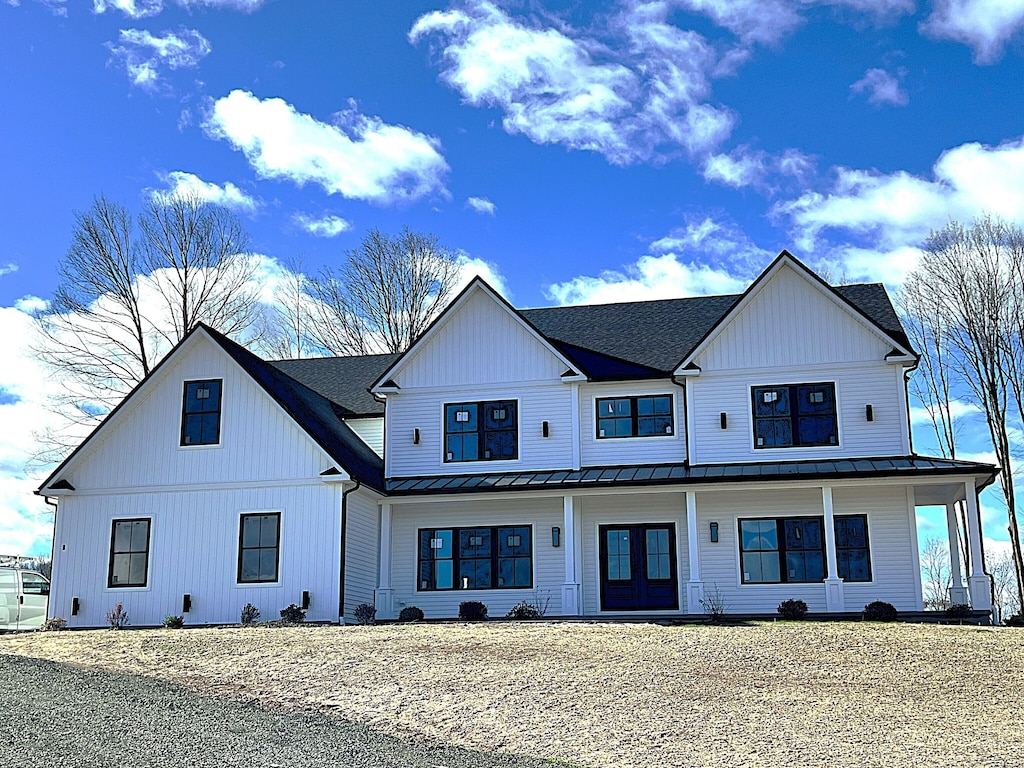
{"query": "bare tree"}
pixel 127 294
pixel 1001 568
pixel 288 320
pixel 384 296
pixel 970 276
pixel 935 574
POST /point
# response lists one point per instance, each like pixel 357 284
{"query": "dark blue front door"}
pixel 638 567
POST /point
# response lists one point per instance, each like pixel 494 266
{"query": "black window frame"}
pixel 796 414
pixel 187 415
pixel 242 549
pixel 130 552
pixel 462 540
pixel 634 416
pixel 482 432
pixel 782 549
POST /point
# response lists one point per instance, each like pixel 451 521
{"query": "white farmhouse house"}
pixel 619 459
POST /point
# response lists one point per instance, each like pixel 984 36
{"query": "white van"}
pixel 23 599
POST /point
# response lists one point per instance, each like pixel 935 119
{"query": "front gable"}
pixel 479 339
pixel 790 318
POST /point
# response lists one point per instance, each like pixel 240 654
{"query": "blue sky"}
pixel 575 152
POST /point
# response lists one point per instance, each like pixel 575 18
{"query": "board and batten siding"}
pixel 193 549
pixel 424 410
pixel 548 561
pixel 660 449
pixel 857 385
pixel 141 446
pixel 370 431
pixel 629 509
pixel 362 550
pixel 893 560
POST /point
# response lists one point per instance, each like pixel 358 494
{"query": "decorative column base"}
pixel 834 599
pixel 981 594
pixel 572 605
pixel 959 596
pixel 694 594
pixel 384 602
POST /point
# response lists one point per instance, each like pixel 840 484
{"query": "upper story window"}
pixel 793 415
pixel 642 416
pixel 486 431
pixel 129 553
pixel 200 415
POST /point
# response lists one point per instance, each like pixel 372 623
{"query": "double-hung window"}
pixel 259 548
pixel 129 553
pixel 484 431
pixel 793 415
pixel 641 416
pixel 200 414
pixel 791 550
pixel 476 558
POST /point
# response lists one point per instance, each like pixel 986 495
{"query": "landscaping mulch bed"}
pixel 604 694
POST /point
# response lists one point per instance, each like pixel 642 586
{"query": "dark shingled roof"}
pixel 683 474
pixel 342 380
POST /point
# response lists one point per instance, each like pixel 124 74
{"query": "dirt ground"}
pixel 602 694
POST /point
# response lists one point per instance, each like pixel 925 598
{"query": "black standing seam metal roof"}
pixel 683 474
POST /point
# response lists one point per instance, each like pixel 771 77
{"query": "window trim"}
pixel 220 414
pixel 824 550
pixel 277 558
pixel 110 553
pixel 635 416
pixel 822 446
pixel 456 581
pixel 479 403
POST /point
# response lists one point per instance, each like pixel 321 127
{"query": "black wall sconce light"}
pixel 714 533
pixel 305 599
pixel 74 606
pixel 416 436
pixel 556 536
pixel 723 420
pixel 545 429
pixel 186 603
pixel 869 412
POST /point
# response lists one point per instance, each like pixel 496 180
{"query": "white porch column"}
pixel 834 600
pixel 572 605
pixel 694 587
pixel 957 592
pixel 977 581
pixel 384 595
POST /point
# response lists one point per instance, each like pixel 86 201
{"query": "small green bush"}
pixel 174 622
pixel 523 610
pixel 293 614
pixel 410 613
pixel 56 624
pixel 1015 621
pixel 365 613
pixel 250 613
pixel 958 611
pixel 794 610
pixel 472 610
pixel 880 611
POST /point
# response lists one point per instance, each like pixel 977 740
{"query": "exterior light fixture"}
pixel 186 603
pixel 416 436
pixel 714 533
pixel 305 599
pixel 869 412
pixel 556 536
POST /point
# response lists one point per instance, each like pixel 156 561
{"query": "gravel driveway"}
pixel 59 715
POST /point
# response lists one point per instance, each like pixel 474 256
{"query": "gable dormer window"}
pixel 643 416
pixel 795 415
pixel 200 415
pixel 484 431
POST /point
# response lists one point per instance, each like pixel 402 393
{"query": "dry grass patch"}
pixel 616 695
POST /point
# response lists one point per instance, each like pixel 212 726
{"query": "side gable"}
pixel 790 317
pixel 479 339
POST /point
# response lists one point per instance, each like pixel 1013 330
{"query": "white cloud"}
pixel 470 267
pixel 881 88
pixel 8 268
pixel 31 304
pixel 357 156
pixel 139 9
pixel 740 168
pixel 144 54
pixel 323 226
pixel 181 183
pixel 634 90
pixel 482 205
pixel 984 25
pixel 919 415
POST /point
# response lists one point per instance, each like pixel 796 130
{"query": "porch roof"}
pixel 684 474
